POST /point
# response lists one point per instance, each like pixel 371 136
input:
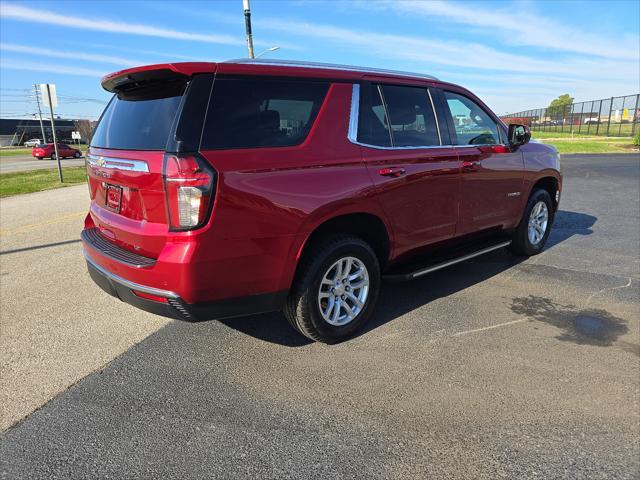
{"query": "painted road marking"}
pixel 490 327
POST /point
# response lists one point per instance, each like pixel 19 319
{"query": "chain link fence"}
pixel 609 117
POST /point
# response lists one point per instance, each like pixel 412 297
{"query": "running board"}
pixel 444 264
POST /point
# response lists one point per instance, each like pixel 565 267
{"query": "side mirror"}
pixel 518 135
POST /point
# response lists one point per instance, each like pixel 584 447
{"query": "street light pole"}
pixel 44 138
pixel 247 26
pixel 272 49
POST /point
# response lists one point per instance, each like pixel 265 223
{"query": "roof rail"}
pixel 328 66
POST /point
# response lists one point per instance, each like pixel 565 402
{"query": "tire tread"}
pixel 297 305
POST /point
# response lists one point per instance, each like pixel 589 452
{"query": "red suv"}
pixel 234 188
pixel 46 150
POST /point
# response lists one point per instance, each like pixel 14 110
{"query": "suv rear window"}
pixel 138 122
pixel 257 112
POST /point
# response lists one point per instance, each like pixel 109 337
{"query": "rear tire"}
pixel 340 274
pixel 53 156
pixel 531 235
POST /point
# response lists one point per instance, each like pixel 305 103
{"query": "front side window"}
pixel 472 124
pixel 250 113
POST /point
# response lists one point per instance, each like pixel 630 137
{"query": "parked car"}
pixel 48 151
pixel 591 121
pixel 228 189
pixel 33 142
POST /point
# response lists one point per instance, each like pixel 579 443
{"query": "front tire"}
pixel 531 235
pixel 77 155
pixel 53 156
pixel 335 289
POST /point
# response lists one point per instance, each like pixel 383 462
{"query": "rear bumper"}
pixel 174 306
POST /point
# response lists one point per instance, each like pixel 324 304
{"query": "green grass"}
pixel 587 146
pixel 37 180
pixel 615 129
pixel 543 135
pixel 568 143
pixel 8 152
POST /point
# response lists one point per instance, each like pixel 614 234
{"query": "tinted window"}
pixel 472 124
pixel 247 113
pixel 373 126
pixel 136 124
pixel 411 116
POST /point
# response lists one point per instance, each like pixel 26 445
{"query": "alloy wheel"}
pixel 538 221
pixel 343 292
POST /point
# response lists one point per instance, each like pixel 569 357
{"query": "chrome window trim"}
pixel 114 163
pixel 353 114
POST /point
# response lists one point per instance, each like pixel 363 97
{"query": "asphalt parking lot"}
pixel 494 368
pixel 21 163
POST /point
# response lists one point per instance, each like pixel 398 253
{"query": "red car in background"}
pixel 46 150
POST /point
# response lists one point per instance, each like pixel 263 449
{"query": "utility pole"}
pixel 247 26
pixel 53 129
pixel 44 138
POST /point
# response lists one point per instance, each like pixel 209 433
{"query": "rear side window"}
pixel 373 125
pixel 139 122
pixel 473 126
pixel 411 116
pixel 255 112
pixel 397 116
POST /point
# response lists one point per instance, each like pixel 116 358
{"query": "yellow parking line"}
pixel 34 226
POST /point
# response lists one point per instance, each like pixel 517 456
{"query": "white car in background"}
pixel 34 142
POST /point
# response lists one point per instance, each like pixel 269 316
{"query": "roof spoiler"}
pixel 133 78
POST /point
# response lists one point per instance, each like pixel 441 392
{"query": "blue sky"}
pixel 514 55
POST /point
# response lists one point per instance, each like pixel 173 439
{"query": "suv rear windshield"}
pixel 138 122
pixel 258 112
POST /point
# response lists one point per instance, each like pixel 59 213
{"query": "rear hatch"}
pixel 148 116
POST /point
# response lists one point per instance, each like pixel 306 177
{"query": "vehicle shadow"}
pixel 567 224
pixel 397 299
pixel 38 247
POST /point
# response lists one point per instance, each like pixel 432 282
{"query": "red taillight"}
pixel 189 189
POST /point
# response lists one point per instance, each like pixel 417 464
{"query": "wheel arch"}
pixel 551 184
pixel 368 226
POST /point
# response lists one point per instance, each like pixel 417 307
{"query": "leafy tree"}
pixel 560 107
pixel 85 127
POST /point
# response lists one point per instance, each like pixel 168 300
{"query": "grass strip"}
pixel 16 183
